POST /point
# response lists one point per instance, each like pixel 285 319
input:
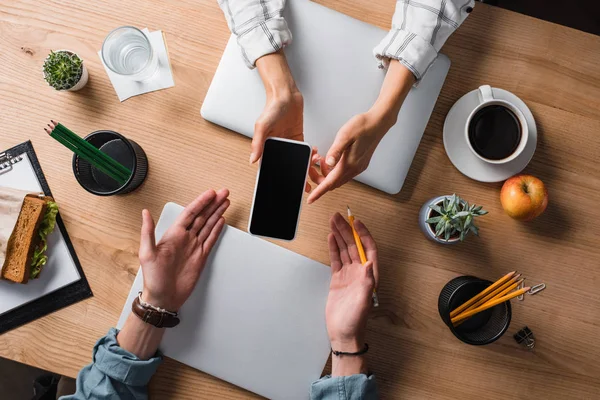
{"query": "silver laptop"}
pixel 332 61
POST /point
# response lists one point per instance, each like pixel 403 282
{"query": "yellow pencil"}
pixel 489 304
pixel 480 295
pixel 361 252
pixel 500 292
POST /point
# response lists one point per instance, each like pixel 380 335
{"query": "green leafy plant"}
pixel 455 216
pixel 62 70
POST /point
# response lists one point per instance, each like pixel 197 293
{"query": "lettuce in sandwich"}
pixel 46 227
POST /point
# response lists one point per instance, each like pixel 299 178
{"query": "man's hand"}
pixel 284 108
pixel 350 291
pixel 357 140
pixel 172 267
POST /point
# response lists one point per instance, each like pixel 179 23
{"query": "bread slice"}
pixel 23 240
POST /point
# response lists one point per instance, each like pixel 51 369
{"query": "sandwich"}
pixel 26 248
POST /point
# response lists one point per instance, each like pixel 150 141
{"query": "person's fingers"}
pixel 213 237
pixel 315 154
pixel 369 246
pixel 314 175
pixel 261 133
pixel 325 169
pixel 341 244
pixel 334 254
pixel 342 141
pixel 370 274
pixel 189 214
pixel 203 216
pixel 366 238
pixel 212 221
pixel 147 238
pixel 307 187
pixel 314 159
pixel 327 184
pixel 346 231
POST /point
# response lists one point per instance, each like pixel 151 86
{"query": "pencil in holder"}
pixel 482 328
pixel 125 151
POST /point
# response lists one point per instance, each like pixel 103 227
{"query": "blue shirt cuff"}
pixel 353 387
pixel 121 365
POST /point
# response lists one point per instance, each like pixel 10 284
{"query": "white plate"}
pixel 457 149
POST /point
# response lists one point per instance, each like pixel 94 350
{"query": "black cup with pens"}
pixel 482 328
pixel 105 163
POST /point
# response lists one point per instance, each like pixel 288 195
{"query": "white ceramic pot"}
pixel 82 81
pixel 427 229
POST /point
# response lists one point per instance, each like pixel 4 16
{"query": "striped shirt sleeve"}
pixel 258 25
pixel 419 30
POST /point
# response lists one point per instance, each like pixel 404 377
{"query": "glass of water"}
pixel 127 51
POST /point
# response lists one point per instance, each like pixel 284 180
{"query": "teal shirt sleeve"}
pixel 118 374
pixel 353 387
pixel 114 373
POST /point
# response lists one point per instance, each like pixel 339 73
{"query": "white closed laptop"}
pixel 332 61
pixel 256 318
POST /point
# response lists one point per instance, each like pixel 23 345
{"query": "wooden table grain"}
pixel 554 69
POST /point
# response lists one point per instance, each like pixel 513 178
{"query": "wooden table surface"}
pixel 555 70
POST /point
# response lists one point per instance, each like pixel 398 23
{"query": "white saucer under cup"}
pixel 459 152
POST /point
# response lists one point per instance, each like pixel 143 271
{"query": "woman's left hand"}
pixel 357 140
pixel 350 153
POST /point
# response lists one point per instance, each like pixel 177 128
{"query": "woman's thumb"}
pixel 147 240
pixel 336 150
pixel 258 141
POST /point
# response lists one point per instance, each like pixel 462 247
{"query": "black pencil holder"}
pixel 123 150
pixel 482 328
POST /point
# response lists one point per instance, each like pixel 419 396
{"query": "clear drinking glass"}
pixel 127 51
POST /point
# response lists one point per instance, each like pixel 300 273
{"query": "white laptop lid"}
pixel 332 61
pixel 256 318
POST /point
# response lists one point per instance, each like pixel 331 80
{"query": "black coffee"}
pixel 495 132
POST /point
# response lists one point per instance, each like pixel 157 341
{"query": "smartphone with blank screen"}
pixel 279 188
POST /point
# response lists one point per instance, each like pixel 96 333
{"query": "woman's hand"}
pixel 350 291
pixel 350 153
pixel 283 115
pixel 284 109
pixel 357 140
pixel 172 267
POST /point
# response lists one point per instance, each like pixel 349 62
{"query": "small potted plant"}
pixel 449 219
pixel 64 70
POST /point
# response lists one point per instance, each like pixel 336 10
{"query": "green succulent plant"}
pixel 62 70
pixel 455 216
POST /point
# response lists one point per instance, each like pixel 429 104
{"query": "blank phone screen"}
pixel 279 189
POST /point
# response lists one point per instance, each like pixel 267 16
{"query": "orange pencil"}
pixel 361 252
pixel 489 304
pixel 501 291
pixel 480 295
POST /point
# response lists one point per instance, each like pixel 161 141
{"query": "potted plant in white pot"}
pixel 64 70
pixel 449 219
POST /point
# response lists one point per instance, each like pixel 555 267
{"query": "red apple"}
pixel 524 197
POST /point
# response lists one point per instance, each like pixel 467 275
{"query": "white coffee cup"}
pixel 486 99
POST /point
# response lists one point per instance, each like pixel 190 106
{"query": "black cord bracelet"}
pixel 358 353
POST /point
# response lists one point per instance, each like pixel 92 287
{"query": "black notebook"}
pixel 62 281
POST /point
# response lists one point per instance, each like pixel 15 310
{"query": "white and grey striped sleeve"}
pixel 419 30
pixel 258 25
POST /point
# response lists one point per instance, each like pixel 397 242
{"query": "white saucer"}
pixel 457 149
